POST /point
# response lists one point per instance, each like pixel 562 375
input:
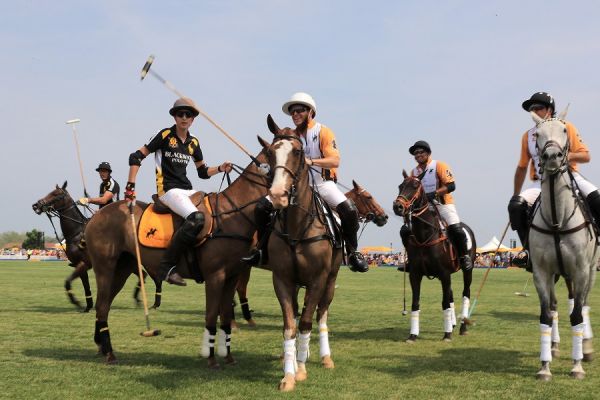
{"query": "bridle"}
pixel 292 193
pixel 408 204
pixel 362 199
pixel 553 144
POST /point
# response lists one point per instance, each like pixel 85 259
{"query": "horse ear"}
pixel 272 125
pixel 537 119
pixel 64 186
pixel 404 174
pixel 356 185
pixel 262 142
pixel 563 113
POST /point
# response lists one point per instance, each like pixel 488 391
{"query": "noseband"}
pixel 408 203
pixel 553 144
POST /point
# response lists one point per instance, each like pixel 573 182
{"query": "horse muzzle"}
pixel 38 208
pixel 398 208
pixel 380 220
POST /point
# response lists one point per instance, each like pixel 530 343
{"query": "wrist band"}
pixel 219 168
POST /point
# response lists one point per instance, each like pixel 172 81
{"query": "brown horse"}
pixel 431 254
pixel 58 203
pixel 302 252
pixel 111 245
pixel 369 210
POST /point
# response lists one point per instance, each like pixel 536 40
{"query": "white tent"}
pixel 492 245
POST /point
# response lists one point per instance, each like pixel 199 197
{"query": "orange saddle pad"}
pixel 155 230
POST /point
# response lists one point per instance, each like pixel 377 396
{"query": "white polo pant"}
pixel 178 200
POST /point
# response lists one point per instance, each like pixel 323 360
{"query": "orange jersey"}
pixel 442 177
pixel 319 143
pixel 529 154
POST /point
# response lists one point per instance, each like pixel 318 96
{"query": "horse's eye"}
pixel 297 152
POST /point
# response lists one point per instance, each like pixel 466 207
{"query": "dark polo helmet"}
pixel 184 103
pixel 539 98
pixel 420 144
pixel 104 165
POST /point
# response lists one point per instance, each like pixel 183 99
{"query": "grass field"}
pixel 47 351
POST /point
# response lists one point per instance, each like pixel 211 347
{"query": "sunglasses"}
pixel 297 109
pixel 419 152
pixel 186 114
pixel 537 107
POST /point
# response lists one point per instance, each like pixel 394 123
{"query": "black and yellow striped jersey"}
pixel 109 185
pixel 172 157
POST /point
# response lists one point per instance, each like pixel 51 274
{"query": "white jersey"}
pixel 312 149
pixel 430 180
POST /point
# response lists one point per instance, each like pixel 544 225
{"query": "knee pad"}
pixel 518 212
pixel 264 205
pixel 194 223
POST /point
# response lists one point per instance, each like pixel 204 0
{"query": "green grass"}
pixel 47 350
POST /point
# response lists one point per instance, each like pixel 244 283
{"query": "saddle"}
pixel 332 222
pixel 158 222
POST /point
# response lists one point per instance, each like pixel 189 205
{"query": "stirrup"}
pixel 254 258
pixel 174 278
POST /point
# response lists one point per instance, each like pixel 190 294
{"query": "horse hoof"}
pixel 555 353
pixel 447 337
pixel 86 310
pixel 577 374
pixel 463 329
pixel 213 364
pixel 111 359
pixel 229 360
pixel 544 376
pixel 234 326
pixel 411 339
pixel 588 350
pixel 301 373
pixel 588 357
pixel 327 362
pixel 288 383
pixel 251 323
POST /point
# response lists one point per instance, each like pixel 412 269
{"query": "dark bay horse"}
pixel 111 246
pixel 431 254
pixel 369 210
pixel 301 252
pixel 59 203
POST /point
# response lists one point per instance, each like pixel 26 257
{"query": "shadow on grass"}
pixel 514 316
pixel 176 369
pixel 453 361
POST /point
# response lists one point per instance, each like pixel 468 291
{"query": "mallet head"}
pixel 147 66
pixel 404 312
pixel 72 121
pixel 150 333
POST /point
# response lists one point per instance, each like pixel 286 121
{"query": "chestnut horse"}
pixel 431 254
pixel 111 246
pixel 301 253
pixel 58 203
pixel 369 210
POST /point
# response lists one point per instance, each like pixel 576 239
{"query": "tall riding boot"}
pixel 404 235
pixel 180 243
pixel 458 238
pixel 262 216
pixel 349 215
pixel 593 200
pixel 518 214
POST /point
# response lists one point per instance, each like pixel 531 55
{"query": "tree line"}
pixel 33 239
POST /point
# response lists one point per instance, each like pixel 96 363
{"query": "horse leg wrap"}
pixel 464 312
pixel 224 341
pixel 448 320
pixel 324 349
pixel 545 343
pixel 208 342
pixel 303 347
pixel 102 337
pixel 571 305
pixel 577 332
pixel 555 333
pixel 414 322
pixel 587 330
pixel 289 356
pixel 246 309
pixel 453 315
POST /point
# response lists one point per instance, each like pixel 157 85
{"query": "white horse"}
pixel 562 241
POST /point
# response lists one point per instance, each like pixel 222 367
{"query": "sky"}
pixel 384 74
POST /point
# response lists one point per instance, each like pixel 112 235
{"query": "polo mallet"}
pixel 404 312
pixel 72 122
pixel 487 272
pixel 148 332
pixel 146 69
pixel 524 293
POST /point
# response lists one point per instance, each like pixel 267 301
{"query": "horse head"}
pixel 368 207
pixel 552 142
pixel 411 196
pixel 57 199
pixel 286 160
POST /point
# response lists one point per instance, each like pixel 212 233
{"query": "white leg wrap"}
pixel 577 331
pixel 453 314
pixel 289 356
pixel 545 343
pixel 414 322
pixel 466 304
pixel 448 320
pixel 223 343
pixel 324 349
pixel 208 342
pixel 587 330
pixel 555 334
pixel 571 305
pixel 303 347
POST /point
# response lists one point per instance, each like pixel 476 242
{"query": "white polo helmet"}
pixel 300 98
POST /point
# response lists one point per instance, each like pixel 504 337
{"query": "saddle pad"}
pixel 155 230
